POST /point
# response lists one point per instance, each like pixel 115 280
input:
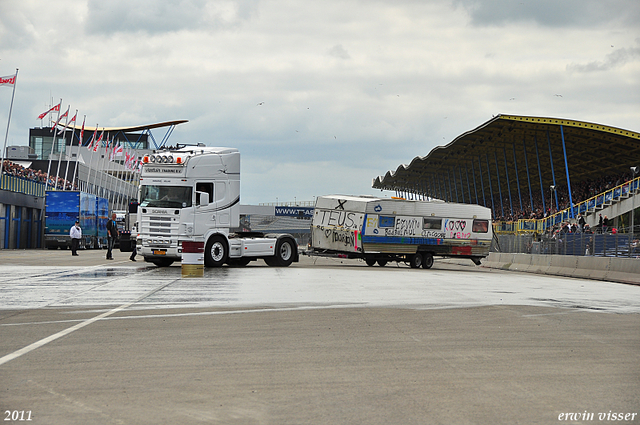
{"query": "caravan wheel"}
pixel 427 260
pixel 415 260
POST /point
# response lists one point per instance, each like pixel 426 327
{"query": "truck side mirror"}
pixel 204 199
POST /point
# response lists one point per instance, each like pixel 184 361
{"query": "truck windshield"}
pixel 165 196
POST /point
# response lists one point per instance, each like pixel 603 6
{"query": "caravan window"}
pixel 385 221
pixel 432 223
pixel 480 226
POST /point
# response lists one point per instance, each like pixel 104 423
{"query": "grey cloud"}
pixel 153 16
pixel 339 52
pixel 617 58
pixel 551 13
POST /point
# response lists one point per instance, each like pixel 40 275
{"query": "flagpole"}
pixel 64 146
pixel 6 136
pixel 80 142
pixel 66 170
pixel 53 143
pixel 92 145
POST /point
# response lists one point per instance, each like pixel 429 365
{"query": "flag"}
pixel 66 114
pixel 93 139
pixel 54 109
pixel 68 124
pixel 118 150
pixel 82 132
pixel 97 142
pixel 9 80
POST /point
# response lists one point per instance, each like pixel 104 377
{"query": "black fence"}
pixel 598 245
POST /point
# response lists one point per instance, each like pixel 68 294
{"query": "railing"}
pixel 21 185
pixel 578 244
pixel 592 204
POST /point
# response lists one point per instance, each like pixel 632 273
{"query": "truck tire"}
pixel 427 260
pixel 382 263
pixel 162 262
pixel 284 254
pixel 415 260
pixel 370 261
pixel 216 252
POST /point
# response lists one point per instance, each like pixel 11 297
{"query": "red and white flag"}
pixel 66 114
pixel 82 131
pixel 93 139
pixel 68 124
pixel 9 80
pixel 97 144
pixel 54 109
pixel 117 150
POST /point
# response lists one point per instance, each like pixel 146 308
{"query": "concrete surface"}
pixel 86 341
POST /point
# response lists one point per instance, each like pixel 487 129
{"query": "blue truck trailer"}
pixel 63 208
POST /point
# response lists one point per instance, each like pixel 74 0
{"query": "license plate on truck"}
pixel 159 252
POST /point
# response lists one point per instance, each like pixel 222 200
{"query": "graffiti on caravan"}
pixel 455 229
pixel 409 226
pixel 335 218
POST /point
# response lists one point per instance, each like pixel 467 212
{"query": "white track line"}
pixel 74 328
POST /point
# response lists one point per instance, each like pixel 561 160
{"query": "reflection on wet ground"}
pixel 443 286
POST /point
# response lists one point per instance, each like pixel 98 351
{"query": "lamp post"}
pixel 634 170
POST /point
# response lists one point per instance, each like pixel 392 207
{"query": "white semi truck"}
pixel 193 194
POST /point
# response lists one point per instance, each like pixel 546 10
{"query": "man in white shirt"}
pixel 76 235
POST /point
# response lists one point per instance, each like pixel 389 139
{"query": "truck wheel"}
pixel 162 262
pixel 284 253
pixel 382 263
pixel 427 261
pixel 370 261
pixel 216 252
pixel 415 260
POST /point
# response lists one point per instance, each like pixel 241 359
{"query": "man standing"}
pixel 112 235
pixel 76 235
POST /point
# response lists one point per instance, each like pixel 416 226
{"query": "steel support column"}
pixel 544 207
pixel 553 174
pixel 484 198
pixel 566 167
pixel 526 163
pixel 475 186
pixel 506 170
pixel 461 184
pixel 495 156
pixel 515 165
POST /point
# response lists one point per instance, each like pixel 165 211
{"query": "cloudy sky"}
pixel 320 96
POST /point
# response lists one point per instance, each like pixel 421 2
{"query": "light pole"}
pixel 634 170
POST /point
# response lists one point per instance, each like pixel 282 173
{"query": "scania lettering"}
pixel 193 194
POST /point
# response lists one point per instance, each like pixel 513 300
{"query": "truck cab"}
pixel 193 194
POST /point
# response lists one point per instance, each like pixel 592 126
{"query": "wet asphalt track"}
pixel 324 341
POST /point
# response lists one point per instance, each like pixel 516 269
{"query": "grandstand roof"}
pixel 130 128
pixel 592 151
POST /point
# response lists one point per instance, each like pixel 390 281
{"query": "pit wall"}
pixel 612 269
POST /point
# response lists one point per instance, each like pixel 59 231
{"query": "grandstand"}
pixel 535 173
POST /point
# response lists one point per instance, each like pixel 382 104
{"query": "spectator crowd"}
pixel 17 170
pixel 580 192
